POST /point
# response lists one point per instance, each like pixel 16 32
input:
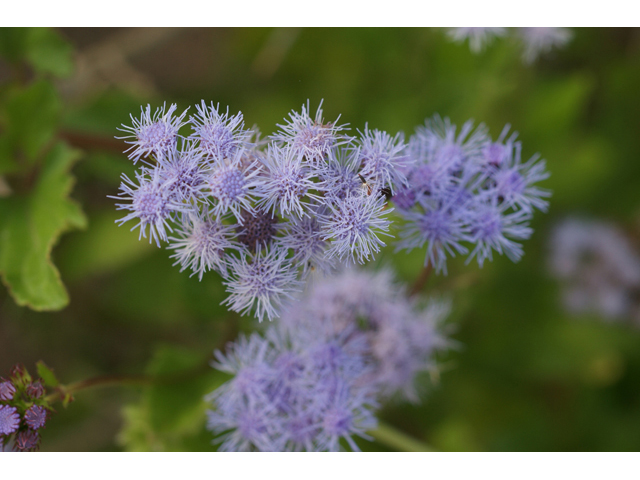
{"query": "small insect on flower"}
pixel 365 184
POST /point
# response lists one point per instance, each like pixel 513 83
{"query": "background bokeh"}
pixel 525 375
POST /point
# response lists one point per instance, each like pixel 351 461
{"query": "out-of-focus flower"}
pixel 464 188
pixel 598 268
pixel 539 40
pixel 479 37
pixel 9 419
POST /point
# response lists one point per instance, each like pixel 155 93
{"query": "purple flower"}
pixel 539 40
pixel 27 441
pixel 383 159
pixel 442 229
pixel 348 414
pixel 514 182
pixel 201 244
pixel 155 134
pixel 150 204
pixel 304 237
pixel 338 176
pixel 353 225
pixel 598 266
pixel 6 390
pixel 182 175
pixel 35 417
pixel 9 420
pixel 257 228
pixel 478 37
pixel 311 137
pixel 219 135
pixel 261 282
pixel 439 143
pixel 35 389
pixel 492 229
pixel 286 182
pixel 232 186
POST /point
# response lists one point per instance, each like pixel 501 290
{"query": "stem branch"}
pixel 420 282
pixel 398 440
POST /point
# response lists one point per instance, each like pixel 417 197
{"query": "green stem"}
pixel 398 440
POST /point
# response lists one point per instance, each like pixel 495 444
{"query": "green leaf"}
pixel 48 52
pixel 29 228
pixel 43 48
pixel 31 120
pixel 13 43
pixel 46 374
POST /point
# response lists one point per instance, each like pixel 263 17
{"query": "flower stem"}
pixel 398 440
pixel 420 282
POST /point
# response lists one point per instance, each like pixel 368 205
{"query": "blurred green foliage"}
pixel 525 375
pixel 34 167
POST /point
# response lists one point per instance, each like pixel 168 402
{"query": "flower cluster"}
pixel 316 378
pixel 599 269
pixel 535 40
pixel 465 188
pixel 23 411
pixel 261 213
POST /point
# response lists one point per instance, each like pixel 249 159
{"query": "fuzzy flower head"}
pixel 442 229
pixel 201 244
pixel 286 182
pixel 383 159
pixel 466 188
pixel 338 176
pixel 151 205
pixel 260 283
pixel 493 229
pixel 304 237
pixel 353 225
pixel 540 40
pixel 479 37
pixel 257 229
pixel 35 417
pixel 6 390
pixel 598 267
pixel 448 148
pixel 219 135
pixel 182 175
pixel 155 134
pixel 514 183
pixel 9 419
pixel 232 186
pixel 311 137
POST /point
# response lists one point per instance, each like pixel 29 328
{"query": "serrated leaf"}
pixel 30 226
pixel 46 374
